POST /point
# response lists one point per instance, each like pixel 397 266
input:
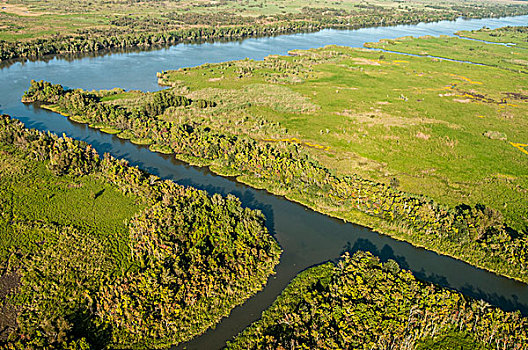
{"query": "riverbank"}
pixel 108 27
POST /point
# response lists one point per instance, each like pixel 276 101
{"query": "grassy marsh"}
pixel 429 124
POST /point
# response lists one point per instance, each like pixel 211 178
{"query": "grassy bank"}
pixel 505 57
pixel 513 36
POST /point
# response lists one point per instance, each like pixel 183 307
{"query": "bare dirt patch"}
pixel 18 10
pixel 466 100
pixel 366 61
pixel 377 117
pixel 423 136
pixel 8 312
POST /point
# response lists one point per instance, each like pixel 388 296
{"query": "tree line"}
pixel 150 32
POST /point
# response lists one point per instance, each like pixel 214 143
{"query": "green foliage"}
pixel 204 103
pixel 513 36
pixel 187 259
pixel 477 234
pixel 363 304
pixel 58 284
pixel 43 91
pixel 164 99
pixel 452 340
pixel 174 242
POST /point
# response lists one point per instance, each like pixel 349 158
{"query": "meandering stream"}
pixel 307 237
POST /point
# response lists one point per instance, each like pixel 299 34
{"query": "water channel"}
pixel 307 237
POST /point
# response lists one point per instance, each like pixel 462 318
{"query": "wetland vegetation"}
pixel 97 254
pixel 415 147
pixel 513 36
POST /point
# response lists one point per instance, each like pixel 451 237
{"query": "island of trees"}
pixel 74 277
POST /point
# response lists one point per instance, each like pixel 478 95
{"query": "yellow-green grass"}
pixel 443 129
pixel 31 193
pixel 512 58
pixel 506 35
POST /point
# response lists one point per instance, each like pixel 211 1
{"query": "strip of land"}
pixel 364 304
pixel 31 29
pixel 513 36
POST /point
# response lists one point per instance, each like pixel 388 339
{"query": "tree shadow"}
pixel 84 325
pixel 247 199
pixel 386 252
pixel 507 304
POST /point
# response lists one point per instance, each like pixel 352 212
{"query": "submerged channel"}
pixel 307 237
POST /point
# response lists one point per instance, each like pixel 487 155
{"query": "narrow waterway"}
pixel 307 237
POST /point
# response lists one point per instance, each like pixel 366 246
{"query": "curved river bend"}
pixel 307 237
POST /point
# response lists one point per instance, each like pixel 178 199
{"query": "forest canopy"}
pixel 361 303
pixel 183 260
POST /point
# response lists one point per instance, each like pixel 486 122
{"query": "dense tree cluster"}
pixel 131 32
pixel 364 304
pixel 44 91
pixel 57 291
pixel 194 257
pixel 474 234
pixel 64 155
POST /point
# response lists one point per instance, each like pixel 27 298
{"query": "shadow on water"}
pixel 308 238
pixel 384 254
pixel 247 198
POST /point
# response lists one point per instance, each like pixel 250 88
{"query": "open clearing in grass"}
pixel 30 192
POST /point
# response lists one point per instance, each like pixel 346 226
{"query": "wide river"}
pixel 307 237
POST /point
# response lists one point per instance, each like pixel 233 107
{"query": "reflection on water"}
pixel 308 238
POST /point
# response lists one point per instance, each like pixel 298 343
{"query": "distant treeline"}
pixel 194 258
pixel 149 32
pixel 364 304
pixel 476 234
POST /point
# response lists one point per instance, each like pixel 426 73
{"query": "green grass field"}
pixel 31 193
pixel 515 36
pixel 452 131
pixel 511 58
